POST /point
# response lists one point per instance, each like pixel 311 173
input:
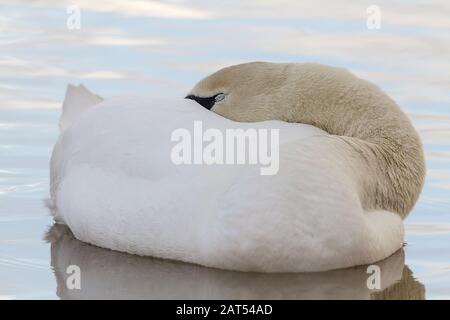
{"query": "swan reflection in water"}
pixel 107 274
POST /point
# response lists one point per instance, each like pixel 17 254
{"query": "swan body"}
pixel 114 185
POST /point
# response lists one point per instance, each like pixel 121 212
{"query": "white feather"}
pixel 77 100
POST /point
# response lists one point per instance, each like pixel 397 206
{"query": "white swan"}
pixel 337 200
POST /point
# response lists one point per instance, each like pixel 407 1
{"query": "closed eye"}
pixel 207 102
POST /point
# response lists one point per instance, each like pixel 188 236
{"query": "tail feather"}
pixel 77 100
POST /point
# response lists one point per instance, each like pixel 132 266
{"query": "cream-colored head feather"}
pixel 368 127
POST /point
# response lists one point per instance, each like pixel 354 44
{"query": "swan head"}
pixel 356 113
pixel 249 92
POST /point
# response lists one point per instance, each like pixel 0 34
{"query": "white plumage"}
pixel 114 184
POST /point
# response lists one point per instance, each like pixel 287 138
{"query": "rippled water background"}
pixel 165 47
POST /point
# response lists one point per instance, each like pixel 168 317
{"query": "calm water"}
pixel 165 47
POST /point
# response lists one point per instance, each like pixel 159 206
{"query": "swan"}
pixel 350 169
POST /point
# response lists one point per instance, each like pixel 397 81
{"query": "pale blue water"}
pixel 140 47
